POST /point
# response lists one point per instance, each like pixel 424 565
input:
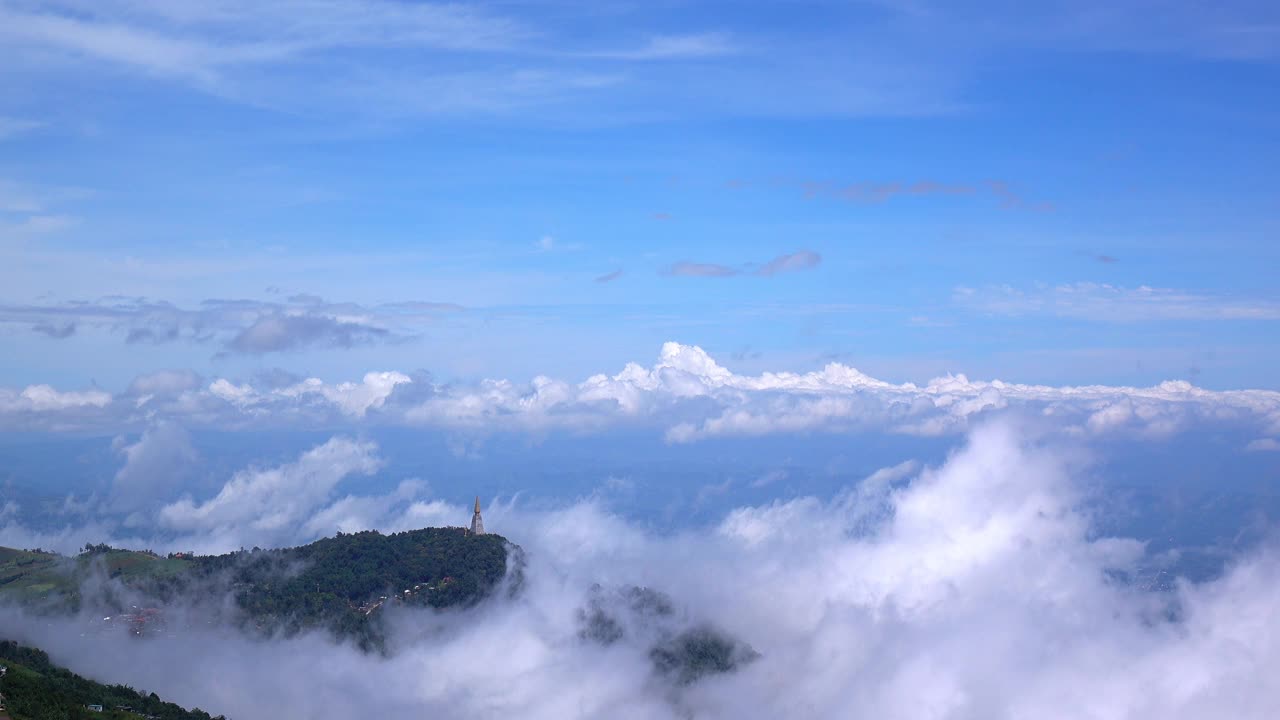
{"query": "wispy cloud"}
pixel 802 260
pixel 1015 201
pixel 279 332
pixel 874 193
pixel 695 269
pixel 11 126
pixel 27 210
pixel 34 198
pixel 239 326
pixel 57 332
pixel 401 60
pixel 1111 303
pixel 330 55
pixel 548 243
pixel 202 38
pixel 791 262
pixel 610 276
pixel 37 225
pixel 878 192
pixel 675 47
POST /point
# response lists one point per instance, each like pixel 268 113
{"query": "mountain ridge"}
pixel 339 584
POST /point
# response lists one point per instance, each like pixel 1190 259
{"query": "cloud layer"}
pixel 974 589
pixel 686 395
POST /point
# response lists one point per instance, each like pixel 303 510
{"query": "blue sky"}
pixel 907 325
pixel 1067 194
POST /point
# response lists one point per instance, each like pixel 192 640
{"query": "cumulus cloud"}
pixel 45 399
pixel 284 504
pixel 976 588
pixel 268 506
pixel 687 395
pixel 353 399
pixel 155 467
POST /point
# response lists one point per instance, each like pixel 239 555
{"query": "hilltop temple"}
pixel 477 523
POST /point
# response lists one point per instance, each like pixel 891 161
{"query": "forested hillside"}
pixel 33 688
pixel 343 584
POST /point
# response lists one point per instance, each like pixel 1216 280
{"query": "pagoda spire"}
pixel 477 523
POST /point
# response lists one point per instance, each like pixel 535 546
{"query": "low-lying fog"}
pixel 979 588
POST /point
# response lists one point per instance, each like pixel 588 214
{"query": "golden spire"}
pixel 477 503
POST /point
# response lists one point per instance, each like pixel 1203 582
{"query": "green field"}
pixel 30 577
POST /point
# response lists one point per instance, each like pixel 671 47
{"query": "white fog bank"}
pixel 971 590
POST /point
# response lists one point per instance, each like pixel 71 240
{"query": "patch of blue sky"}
pixel 548 169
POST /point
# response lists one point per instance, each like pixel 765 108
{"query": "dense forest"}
pixel 343 584
pixel 33 688
pixel 682 656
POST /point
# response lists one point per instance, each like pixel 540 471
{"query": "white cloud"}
pixel 11 126
pixel 32 207
pixel 44 398
pixel 973 589
pixel 18 198
pixel 675 47
pixel 203 38
pixel 686 395
pixel 353 399
pixel 344 56
pixel 267 506
pixel 155 467
pixel 164 383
